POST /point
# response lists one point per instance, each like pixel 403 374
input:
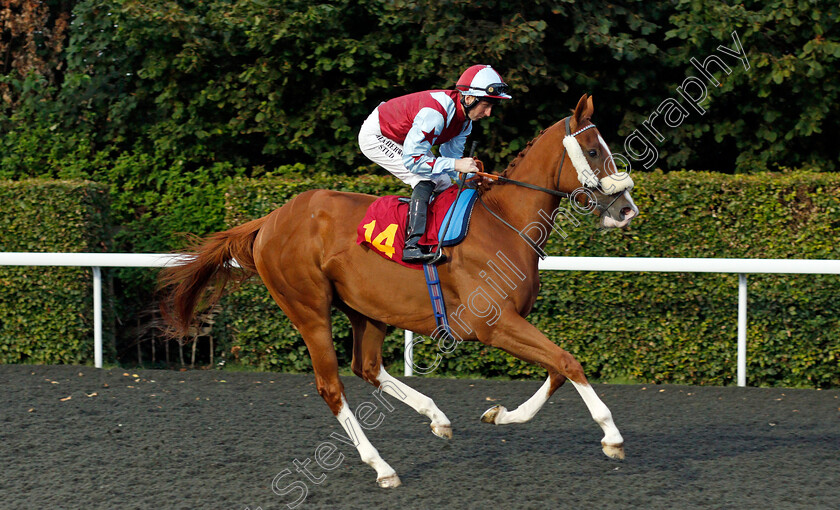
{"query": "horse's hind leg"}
pixel 308 307
pixel 368 336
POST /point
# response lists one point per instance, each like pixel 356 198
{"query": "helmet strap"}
pixel 467 107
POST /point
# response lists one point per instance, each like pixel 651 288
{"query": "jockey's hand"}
pixel 466 166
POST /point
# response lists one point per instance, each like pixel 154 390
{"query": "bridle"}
pixel 553 192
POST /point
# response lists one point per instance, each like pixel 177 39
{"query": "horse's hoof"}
pixel 490 415
pixel 613 451
pixel 389 482
pixel 444 431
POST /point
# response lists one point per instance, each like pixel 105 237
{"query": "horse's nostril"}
pixel 626 211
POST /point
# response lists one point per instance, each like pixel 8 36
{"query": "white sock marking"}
pixel 411 397
pixel 527 409
pixel 600 413
pixel 367 452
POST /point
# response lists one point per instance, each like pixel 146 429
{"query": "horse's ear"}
pixel 583 110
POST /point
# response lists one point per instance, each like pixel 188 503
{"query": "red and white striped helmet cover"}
pixel 476 80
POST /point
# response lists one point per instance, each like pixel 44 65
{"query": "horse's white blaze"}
pixel 601 414
pixel 367 452
pixel 411 397
pixel 528 409
pixel 606 147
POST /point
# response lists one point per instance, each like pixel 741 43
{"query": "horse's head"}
pixel 593 178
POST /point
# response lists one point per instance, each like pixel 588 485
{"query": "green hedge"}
pixel 46 312
pixel 652 327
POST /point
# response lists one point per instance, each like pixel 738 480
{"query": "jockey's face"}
pixel 479 111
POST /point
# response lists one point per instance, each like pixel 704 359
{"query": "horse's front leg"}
pixel 612 443
pixel 518 337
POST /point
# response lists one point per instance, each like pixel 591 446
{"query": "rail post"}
pixel 742 329
pixel 97 317
pixel 409 339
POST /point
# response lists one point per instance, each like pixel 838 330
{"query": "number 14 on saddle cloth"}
pixel 383 227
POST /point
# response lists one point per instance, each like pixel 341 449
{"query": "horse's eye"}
pixel 592 153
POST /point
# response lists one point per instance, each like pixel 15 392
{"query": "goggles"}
pixel 494 89
pixel 497 89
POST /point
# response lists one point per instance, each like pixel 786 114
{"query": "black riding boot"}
pixel 413 253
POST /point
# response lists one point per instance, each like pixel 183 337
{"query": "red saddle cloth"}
pixel 383 227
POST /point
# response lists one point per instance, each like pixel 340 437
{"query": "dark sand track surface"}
pixel 81 438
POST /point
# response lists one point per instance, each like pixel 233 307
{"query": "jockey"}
pixel 400 133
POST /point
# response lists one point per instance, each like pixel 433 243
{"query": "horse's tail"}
pixel 186 287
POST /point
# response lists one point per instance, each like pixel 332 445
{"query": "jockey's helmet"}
pixel 483 82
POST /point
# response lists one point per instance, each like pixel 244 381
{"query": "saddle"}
pixel 384 225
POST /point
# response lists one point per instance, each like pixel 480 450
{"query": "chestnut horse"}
pixel 306 255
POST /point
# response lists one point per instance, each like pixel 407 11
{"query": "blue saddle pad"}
pixel 457 220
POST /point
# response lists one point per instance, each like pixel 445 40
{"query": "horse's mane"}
pixel 505 173
pixel 522 153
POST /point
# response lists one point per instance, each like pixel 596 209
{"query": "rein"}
pixel 553 192
pixel 505 180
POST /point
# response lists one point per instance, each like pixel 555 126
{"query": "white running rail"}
pixel 702 265
pixel 95 261
pixel 742 267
